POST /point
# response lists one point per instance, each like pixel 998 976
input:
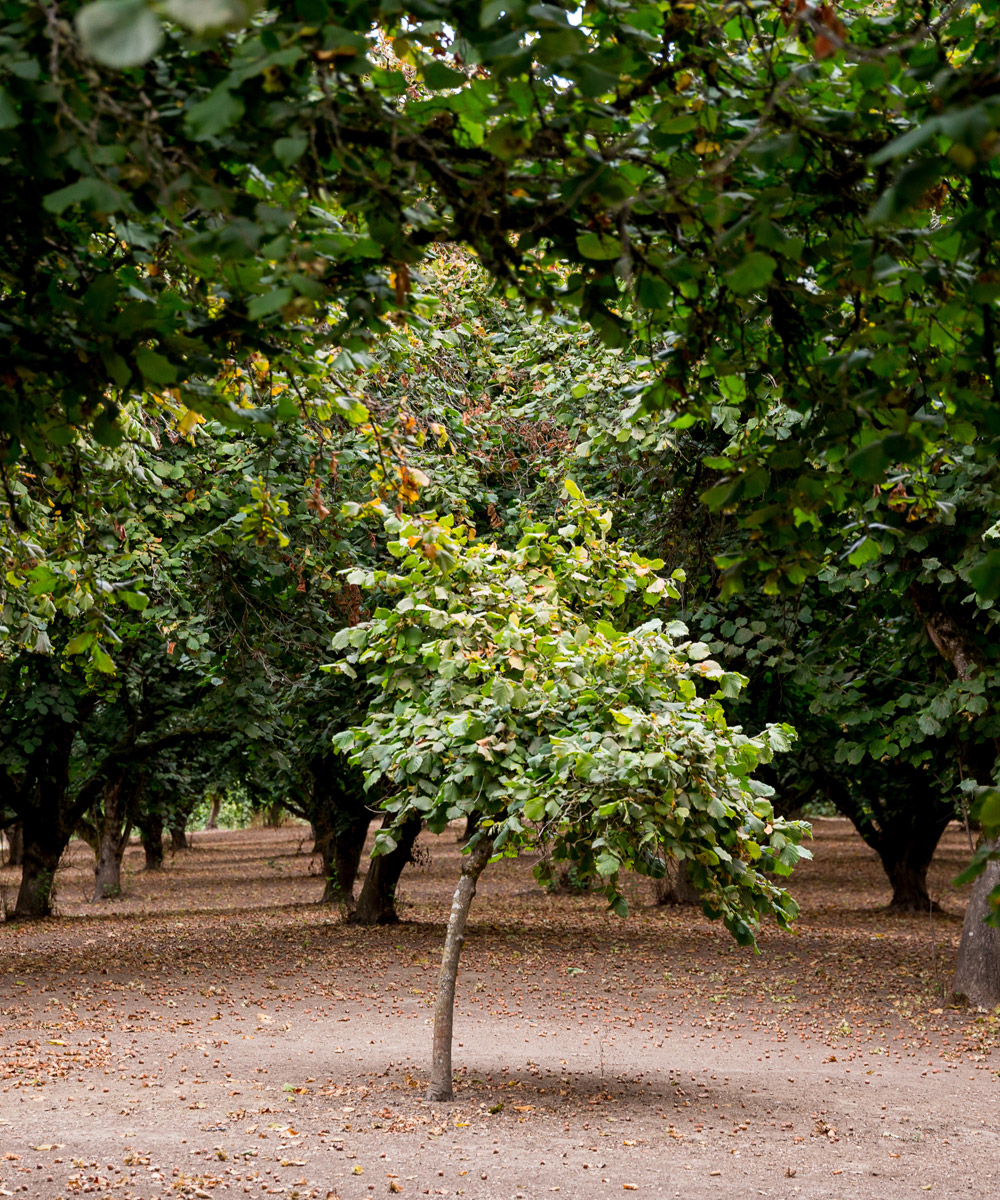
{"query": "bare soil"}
pixel 216 1032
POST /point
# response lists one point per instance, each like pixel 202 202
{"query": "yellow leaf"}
pixel 706 147
pixel 190 420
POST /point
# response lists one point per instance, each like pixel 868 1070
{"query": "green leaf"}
pixel 752 273
pixel 91 193
pixel 9 117
pixel 290 149
pixel 987 811
pixel 985 576
pixel 270 302
pixel 102 662
pixel 599 247
pixel 119 33
pixel 80 643
pixel 155 367
pixel 209 117
pixel 437 76
pixel 200 15
pixel 867 550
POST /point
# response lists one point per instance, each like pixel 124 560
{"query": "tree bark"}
pixel 213 816
pixel 44 843
pixel 441 1087
pixel 15 844
pixel 906 864
pixel 377 902
pixel 340 842
pixel 151 832
pixel 118 805
pixel 178 838
pixel 274 815
pixel 675 887
pixel 977 969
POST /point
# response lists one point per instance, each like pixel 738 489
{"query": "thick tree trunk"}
pixel 44 843
pixel 178 838
pixel 675 887
pixel 213 816
pixel 151 832
pixel 15 844
pixel 340 842
pixel 906 866
pixel 977 970
pixel 377 902
pixel 444 1006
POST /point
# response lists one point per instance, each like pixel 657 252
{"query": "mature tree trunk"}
pixel 274 815
pixel 377 902
pixel 977 970
pixel 47 823
pixel 471 825
pixel 906 863
pixel 901 814
pixel 340 841
pixel 444 1006
pixel 213 816
pixel 151 831
pixel 178 836
pixel 675 887
pixel 119 801
pixel 15 844
pixel 44 843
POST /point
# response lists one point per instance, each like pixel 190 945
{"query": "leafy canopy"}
pixel 508 693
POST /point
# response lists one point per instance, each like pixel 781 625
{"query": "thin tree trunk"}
pixel 213 816
pixel 444 1006
pixel 121 796
pixel 977 970
pixel 15 844
pixel 377 902
pixel 274 816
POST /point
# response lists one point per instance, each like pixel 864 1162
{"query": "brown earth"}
pixel 216 1033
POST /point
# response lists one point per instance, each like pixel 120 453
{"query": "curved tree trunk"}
pixel 977 970
pixel 377 902
pixel 441 1087
pixel 213 816
pixel 675 887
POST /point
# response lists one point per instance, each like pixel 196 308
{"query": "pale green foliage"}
pixel 509 693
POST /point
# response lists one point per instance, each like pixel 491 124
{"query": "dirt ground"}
pixel 216 1032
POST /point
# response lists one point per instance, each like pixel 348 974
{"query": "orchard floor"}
pixel 216 1033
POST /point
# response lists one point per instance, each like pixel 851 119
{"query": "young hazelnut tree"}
pixel 509 693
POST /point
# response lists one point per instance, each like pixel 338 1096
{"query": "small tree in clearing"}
pixel 508 693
